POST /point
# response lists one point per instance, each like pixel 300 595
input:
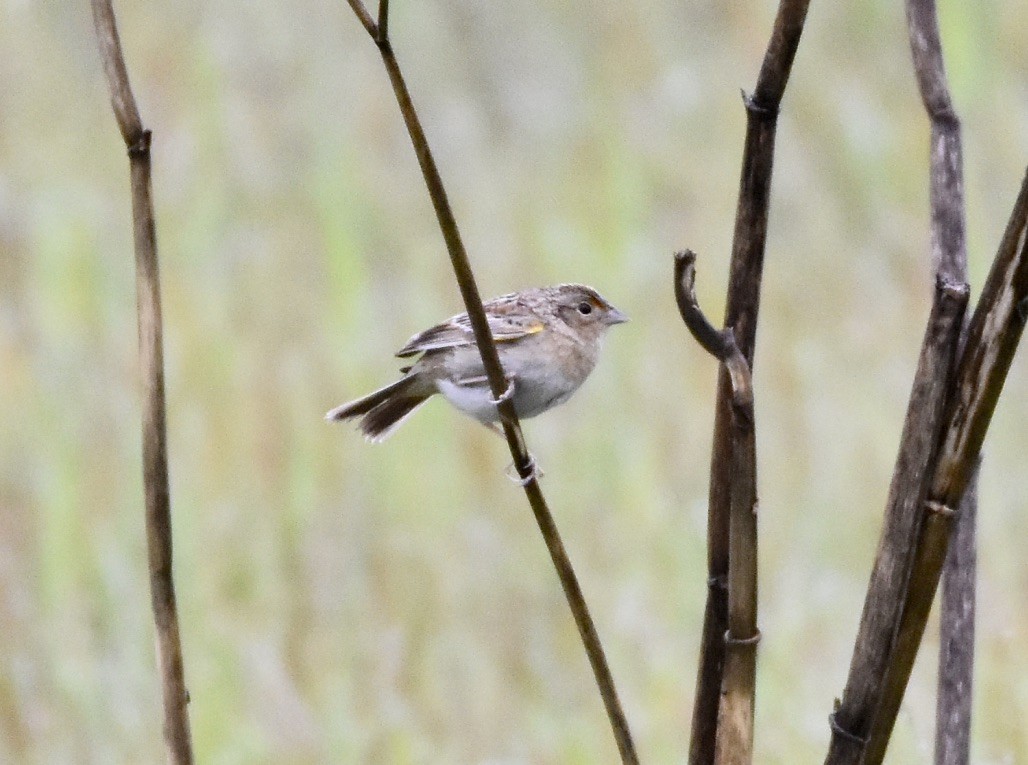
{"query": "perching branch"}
pixel 175 697
pixel 734 742
pixel 741 315
pixel 523 462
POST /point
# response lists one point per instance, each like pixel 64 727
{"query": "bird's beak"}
pixel 614 316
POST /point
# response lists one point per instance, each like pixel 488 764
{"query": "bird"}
pixel 548 340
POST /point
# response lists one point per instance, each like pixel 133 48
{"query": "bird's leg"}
pixel 494 428
pixel 534 471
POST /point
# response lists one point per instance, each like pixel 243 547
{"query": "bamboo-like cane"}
pixel 741 310
pixel 177 740
pixel 379 32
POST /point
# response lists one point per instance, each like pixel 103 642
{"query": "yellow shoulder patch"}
pixel 531 329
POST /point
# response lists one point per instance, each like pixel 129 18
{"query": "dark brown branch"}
pixel 497 382
pixel 365 17
pixel 741 315
pixel 383 20
pixel 738 688
pixel 992 338
pixel 956 646
pixel 956 624
pixel 735 715
pixel 719 343
pixel 175 697
pixel 852 720
pixel 857 726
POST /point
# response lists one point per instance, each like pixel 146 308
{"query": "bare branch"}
pixel 741 310
pixel 175 697
pixel 862 724
pixel 956 649
pixel 718 343
pixel 851 721
pixel 383 21
pixel 365 18
pixel 992 338
pixel 956 623
pixel 734 743
pixel 523 462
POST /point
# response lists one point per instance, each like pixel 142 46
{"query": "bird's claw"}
pixel 534 472
pixel 507 395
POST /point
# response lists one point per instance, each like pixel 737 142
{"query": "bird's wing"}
pixel 457 332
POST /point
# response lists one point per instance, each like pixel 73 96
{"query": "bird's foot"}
pixel 507 395
pixel 533 472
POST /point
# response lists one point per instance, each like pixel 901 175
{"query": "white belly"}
pixel 531 397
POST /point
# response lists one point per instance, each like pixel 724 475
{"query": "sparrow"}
pixel 548 340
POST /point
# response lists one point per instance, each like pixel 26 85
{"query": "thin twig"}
pixel 177 740
pixel 719 343
pixel 741 310
pixel 734 745
pixel 498 384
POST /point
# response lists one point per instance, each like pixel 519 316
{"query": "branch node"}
pixel 844 734
pixel 945 117
pixel 756 109
pixel 719 582
pixel 939 508
pixel 734 642
pixel 141 146
pixel 1022 310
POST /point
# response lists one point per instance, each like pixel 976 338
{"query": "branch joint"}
pixel 734 642
pixel 141 146
pixel 844 734
pixel 719 582
pixel 758 110
pixel 939 508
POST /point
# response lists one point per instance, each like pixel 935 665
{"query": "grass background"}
pixel 391 604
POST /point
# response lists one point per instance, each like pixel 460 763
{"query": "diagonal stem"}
pixel 497 382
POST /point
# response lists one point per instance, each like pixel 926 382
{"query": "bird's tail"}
pixel 384 410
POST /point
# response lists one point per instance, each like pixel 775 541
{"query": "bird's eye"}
pixel 585 308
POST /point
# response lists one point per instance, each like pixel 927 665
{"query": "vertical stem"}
pixel 858 727
pixel 741 310
pixel 956 641
pixel 177 738
pixel 738 689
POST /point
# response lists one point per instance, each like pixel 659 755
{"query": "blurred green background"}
pixel 343 602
